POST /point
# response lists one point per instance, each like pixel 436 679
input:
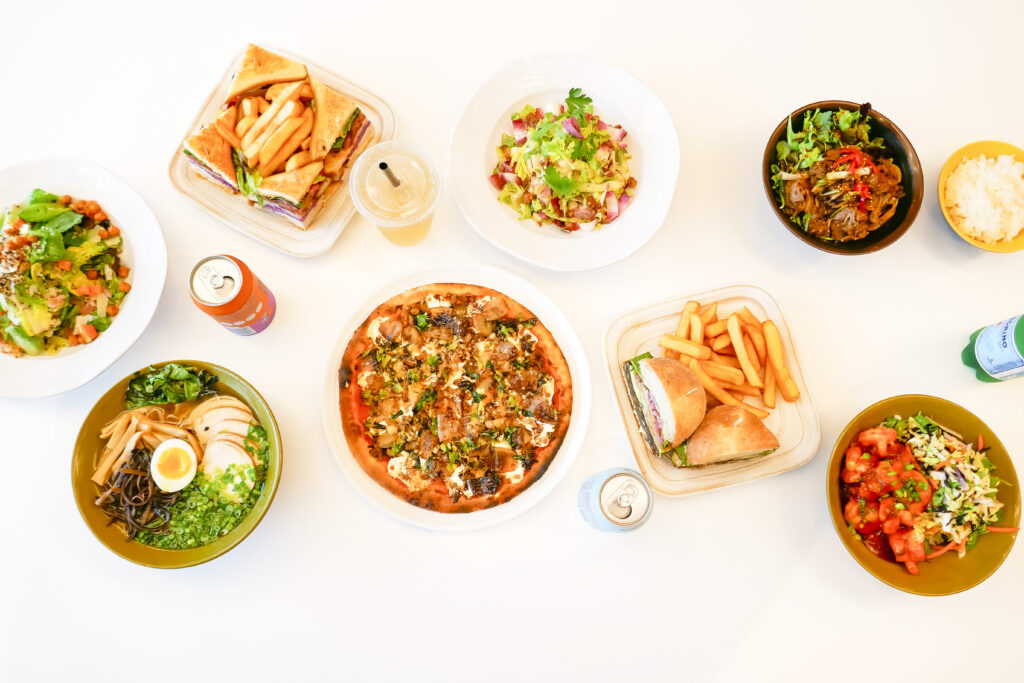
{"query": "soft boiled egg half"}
pixel 173 465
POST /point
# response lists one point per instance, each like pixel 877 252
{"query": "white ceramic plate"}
pixel 144 252
pixel 549 314
pixel 272 230
pixel 618 99
pixel 795 424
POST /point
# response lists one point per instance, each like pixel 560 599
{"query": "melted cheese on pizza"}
pixel 457 392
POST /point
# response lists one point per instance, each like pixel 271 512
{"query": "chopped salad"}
pixel 914 490
pixel 565 166
pixel 61 276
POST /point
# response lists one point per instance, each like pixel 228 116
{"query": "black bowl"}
pixel 903 155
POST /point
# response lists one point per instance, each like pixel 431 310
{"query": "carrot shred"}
pixel 948 546
pixel 1002 529
pixel 981 442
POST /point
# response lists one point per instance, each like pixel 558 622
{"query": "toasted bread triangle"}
pixel 261 67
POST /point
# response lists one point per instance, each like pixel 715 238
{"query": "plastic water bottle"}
pixel 996 352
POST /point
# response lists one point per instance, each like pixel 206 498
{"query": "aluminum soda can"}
pixel 617 500
pixel 225 289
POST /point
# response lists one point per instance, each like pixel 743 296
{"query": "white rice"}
pixel 986 197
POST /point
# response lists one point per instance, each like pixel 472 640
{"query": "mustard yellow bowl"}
pixel 991 149
pixel 89 447
pixel 948 573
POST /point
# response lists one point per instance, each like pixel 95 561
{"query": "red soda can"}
pixel 225 289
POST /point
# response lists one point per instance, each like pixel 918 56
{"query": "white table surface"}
pixel 744 582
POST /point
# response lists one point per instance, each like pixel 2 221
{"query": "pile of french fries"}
pixel 272 130
pixel 734 358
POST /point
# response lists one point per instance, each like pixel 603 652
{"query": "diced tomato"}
pixel 123 286
pixel 123 271
pixel 908 547
pixel 879 439
pixel 92 274
pixel 112 310
pixel 863 515
pixel 920 486
pixel 64 264
pixel 858 463
pixel 90 332
pixel 497 181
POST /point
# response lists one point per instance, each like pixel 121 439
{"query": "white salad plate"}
pixel 144 253
pixel 618 98
pixel 549 314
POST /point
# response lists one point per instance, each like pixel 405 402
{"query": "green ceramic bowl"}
pixel 946 574
pixel 88 447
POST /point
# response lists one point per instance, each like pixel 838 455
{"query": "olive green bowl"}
pixel 946 574
pixel 89 446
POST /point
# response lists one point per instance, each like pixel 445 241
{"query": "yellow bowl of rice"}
pixel 981 192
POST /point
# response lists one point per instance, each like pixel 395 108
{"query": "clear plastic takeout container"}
pixel 234 210
pixel 794 424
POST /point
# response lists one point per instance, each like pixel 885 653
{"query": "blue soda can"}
pixel 617 500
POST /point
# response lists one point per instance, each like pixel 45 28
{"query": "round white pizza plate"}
pixel 618 98
pixel 549 314
pixel 144 252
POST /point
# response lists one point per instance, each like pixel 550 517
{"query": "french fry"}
pixel 723 373
pixel 293 142
pixel 673 354
pixel 768 395
pixel 743 389
pixel 713 388
pixel 229 116
pixel 748 346
pixel 725 360
pixel 244 125
pixel 305 143
pixel 275 142
pixel 696 329
pixel 757 338
pixel 760 412
pixel 721 342
pixel 684 346
pixel 289 109
pixel 777 359
pixel 736 335
pixel 710 315
pixel 715 329
pixel 288 95
pixel 275 90
pixel 683 328
pixel 262 105
pixel 298 160
pixel 748 317
pixel 227 133
pixel 225 124
pixel 248 107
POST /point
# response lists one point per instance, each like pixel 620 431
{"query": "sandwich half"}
pixel 296 195
pixel 670 401
pixel 262 67
pixel 210 154
pixel 729 433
